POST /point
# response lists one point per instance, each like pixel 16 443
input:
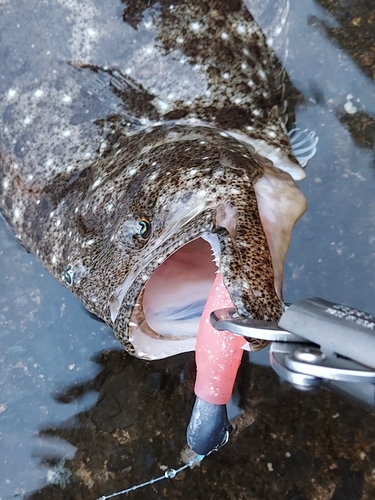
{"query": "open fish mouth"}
pixel 247 242
pixel 238 218
pixel 166 316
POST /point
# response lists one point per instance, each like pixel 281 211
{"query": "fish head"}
pixel 190 202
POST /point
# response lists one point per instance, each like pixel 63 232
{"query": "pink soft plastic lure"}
pixel 218 353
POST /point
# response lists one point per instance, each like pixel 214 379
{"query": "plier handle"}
pixel 316 342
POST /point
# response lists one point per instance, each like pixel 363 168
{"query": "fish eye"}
pixel 144 228
pixel 68 274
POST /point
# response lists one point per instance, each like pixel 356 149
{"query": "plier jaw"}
pixel 224 319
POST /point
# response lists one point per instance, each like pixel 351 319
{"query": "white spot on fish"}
pixel 179 39
pixel 256 112
pixel 226 76
pixel 237 100
pixel 271 134
pixel 30 177
pixel 90 242
pixel 195 26
pixel 243 65
pixel 97 183
pixel 67 133
pixel 131 323
pixel 17 213
pixel 52 214
pixel 69 168
pixel 58 222
pixel 224 35
pixel 11 93
pixel 132 170
pixel 193 171
pixel 5 184
pixel 27 120
pixel 49 162
pixel 91 32
pixel 109 207
pixel 219 173
pixel 54 259
pixel 262 74
pixel 250 83
pixel 162 105
pixel 241 29
pixel 66 99
pixel 38 93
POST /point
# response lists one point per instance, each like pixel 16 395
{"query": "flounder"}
pixel 134 175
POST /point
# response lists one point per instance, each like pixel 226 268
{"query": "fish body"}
pixel 134 179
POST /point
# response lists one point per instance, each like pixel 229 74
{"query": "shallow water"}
pixel 68 392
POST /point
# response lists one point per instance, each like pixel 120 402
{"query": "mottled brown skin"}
pixel 114 259
pixel 82 214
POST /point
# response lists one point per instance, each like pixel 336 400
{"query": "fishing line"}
pixel 168 474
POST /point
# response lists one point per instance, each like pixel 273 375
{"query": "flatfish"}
pixel 144 147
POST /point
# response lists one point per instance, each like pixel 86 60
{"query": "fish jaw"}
pixel 247 243
pixel 210 197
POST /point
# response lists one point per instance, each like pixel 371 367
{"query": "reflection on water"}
pixel 46 344
pixel 68 393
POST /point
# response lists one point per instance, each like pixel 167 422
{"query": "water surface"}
pixel 79 418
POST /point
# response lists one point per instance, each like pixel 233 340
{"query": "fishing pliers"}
pixel 315 343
